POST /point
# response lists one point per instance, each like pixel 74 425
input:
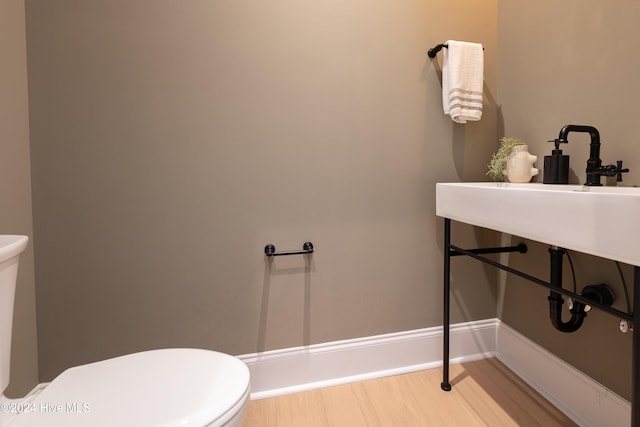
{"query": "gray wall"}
pixel 572 62
pixel 171 144
pixel 172 140
pixel 15 188
pixel 167 146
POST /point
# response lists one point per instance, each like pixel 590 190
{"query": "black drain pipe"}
pixel 556 301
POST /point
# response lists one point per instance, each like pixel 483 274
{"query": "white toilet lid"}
pixel 169 387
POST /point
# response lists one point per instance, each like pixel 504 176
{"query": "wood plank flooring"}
pixel 485 393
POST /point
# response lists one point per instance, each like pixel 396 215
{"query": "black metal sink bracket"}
pixel 452 250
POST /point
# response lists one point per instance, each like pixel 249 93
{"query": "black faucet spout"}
pixel 594 163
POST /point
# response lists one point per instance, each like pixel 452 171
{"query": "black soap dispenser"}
pixel 556 166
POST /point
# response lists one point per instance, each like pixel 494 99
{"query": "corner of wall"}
pixel 15 190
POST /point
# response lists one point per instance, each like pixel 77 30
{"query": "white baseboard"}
pixel 7 416
pixel 580 397
pixel 320 365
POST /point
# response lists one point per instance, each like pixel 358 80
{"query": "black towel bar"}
pixel 270 250
pixel 431 53
pixel 434 50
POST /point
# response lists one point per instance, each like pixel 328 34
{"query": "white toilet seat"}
pixel 169 387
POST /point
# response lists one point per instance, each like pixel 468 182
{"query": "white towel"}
pixel 462 78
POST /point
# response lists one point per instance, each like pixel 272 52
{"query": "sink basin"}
pixel 601 221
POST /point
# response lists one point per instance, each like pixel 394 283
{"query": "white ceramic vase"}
pixel 520 164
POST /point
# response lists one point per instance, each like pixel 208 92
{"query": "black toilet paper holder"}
pixel 270 250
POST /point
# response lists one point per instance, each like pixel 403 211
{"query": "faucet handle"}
pixel 620 171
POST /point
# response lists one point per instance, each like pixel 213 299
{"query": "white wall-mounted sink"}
pixel 601 221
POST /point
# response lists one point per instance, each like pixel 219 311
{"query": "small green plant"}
pixel 498 161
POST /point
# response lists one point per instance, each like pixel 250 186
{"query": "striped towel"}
pixel 462 78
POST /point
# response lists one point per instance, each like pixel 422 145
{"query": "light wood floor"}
pixel 485 393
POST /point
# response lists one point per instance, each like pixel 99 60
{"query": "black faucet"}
pixel 594 165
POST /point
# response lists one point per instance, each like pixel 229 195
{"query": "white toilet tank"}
pixel 10 249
